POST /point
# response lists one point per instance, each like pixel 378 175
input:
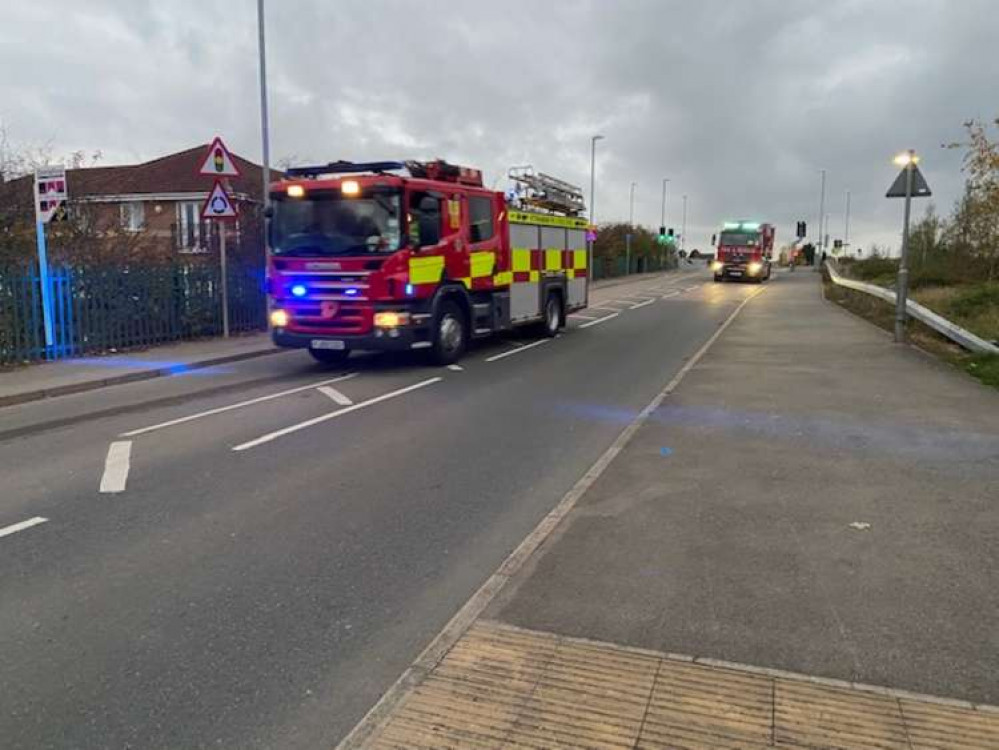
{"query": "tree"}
pixel 924 237
pixel 974 227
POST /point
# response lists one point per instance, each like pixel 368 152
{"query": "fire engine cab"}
pixel 419 256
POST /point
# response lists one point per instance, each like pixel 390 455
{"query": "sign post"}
pixel 218 163
pixel 50 193
pixel 910 182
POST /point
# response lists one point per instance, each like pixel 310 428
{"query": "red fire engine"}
pixel 745 250
pixel 419 255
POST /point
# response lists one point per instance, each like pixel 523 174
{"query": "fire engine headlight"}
pixel 391 319
pixel 717 265
pixel 296 191
pixel 279 318
pixel 754 268
pixel 350 187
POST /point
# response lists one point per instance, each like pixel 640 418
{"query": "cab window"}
pixel 480 218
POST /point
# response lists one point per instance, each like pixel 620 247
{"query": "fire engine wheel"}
pixel 553 316
pixel 719 279
pixel 450 337
pixel 330 356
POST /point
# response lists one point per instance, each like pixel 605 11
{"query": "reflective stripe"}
pixel 579 259
pixel 553 260
pixel 521 259
pixel 503 278
pixel 482 264
pixel 467 282
pixel 426 270
pixel 535 276
pixel 569 222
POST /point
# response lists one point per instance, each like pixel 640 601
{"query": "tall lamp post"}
pixel 817 256
pixel 907 160
pixel 683 226
pixel 593 201
pixel 631 228
pixel 662 218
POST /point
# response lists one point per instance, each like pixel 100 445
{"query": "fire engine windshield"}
pixel 334 225
pixel 739 239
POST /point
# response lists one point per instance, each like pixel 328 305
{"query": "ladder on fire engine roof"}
pixel 429 170
pixel 545 192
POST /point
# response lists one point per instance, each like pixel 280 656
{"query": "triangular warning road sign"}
pixel 919 187
pixel 218 205
pixel 218 161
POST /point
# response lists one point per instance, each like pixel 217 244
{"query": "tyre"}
pixel 551 319
pixel 330 356
pixel 450 334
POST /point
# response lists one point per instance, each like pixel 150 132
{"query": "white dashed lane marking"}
pixel 14 528
pixel 116 466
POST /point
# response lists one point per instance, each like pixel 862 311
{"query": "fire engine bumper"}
pixel 380 339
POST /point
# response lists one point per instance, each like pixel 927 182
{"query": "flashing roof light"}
pixel 350 292
pixel 299 290
pixel 350 187
pixel 296 191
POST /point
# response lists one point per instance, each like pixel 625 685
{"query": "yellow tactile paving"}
pixel 503 687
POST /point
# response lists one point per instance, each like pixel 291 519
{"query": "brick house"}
pixel 159 201
pixel 162 198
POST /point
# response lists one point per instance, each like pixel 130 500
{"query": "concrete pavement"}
pixel 267 597
pixel 63 377
pixel 812 504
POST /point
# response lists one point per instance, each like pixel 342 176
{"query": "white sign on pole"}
pixel 218 205
pixel 50 191
pixel 218 161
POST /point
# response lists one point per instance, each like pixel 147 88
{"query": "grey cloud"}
pixel 739 103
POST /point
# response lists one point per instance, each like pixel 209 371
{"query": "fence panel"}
pixel 97 309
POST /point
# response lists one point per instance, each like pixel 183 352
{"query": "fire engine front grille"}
pixel 308 317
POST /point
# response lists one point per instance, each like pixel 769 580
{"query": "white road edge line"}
pixel 669 295
pixel 600 320
pixel 376 718
pixel 601 307
pixel 501 355
pixel 332 415
pixel 642 304
pixel 333 393
pixel 116 466
pixel 240 405
pixel 580 315
pixel 456 368
pixel 14 528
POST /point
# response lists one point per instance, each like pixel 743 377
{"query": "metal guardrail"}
pixel 924 315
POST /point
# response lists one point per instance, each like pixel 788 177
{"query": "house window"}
pixel 480 218
pixel 133 216
pixel 189 226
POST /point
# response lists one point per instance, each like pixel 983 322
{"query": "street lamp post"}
pixel 846 222
pixel 817 255
pixel 593 201
pixel 683 226
pixel 662 219
pixel 631 227
pixel 907 160
pixel 264 128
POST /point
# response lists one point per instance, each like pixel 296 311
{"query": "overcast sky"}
pixel 740 103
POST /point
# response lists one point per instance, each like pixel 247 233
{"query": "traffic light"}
pixel 802 230
pixel 671 232
pixel 838 244
pixel 714 240
pixel 662 236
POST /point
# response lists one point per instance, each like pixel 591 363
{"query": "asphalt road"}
pixel 263 571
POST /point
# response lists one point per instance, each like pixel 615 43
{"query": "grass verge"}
pixel 984 367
